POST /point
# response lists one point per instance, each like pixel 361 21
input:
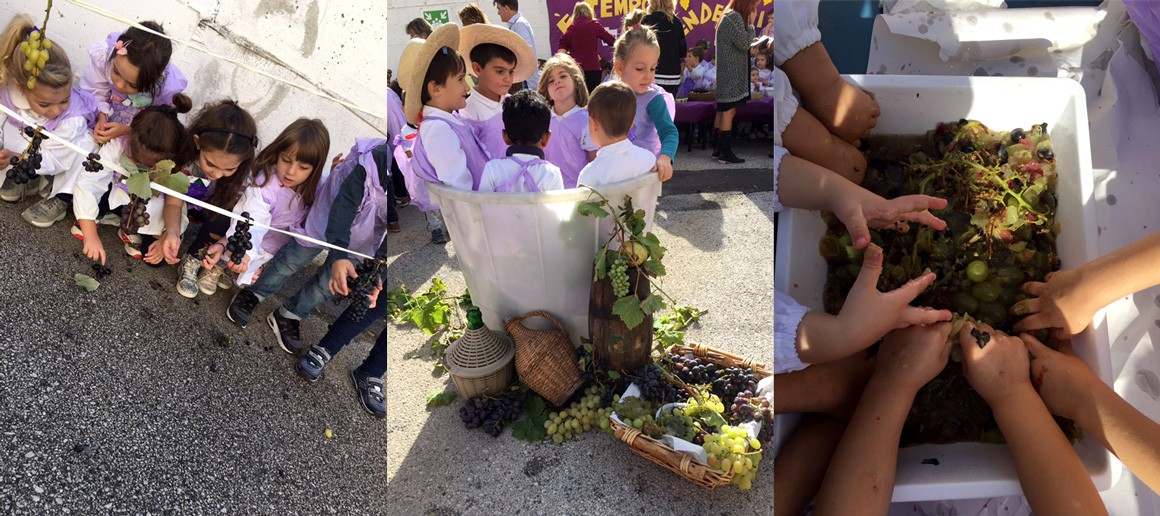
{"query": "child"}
pixel 526 121
pixel 761 62
pixel 446 150
pixel 701 72
pixel 130 71
pixel 53 103
pixel 285 178
pixel 499 58
pixel 610 117
pixel 155 134
pixel 635 60
pixel 396 125
pixel 349 211
pixel 223 139
pixel 755 83
pixel 571 147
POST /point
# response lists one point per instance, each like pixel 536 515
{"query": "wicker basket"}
pixel 757 95
pixel 675 461
pixel 480 365
pixel 545 359
pixel 702 96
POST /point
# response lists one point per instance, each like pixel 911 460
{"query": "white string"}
pixel 117 167
pixel 307 89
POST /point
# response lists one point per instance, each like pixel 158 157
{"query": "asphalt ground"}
pixel 720 258
pixel 134 400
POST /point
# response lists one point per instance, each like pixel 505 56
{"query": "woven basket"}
pixel 673 460
pixel 545 359
pixel 480 365
pixel 702 96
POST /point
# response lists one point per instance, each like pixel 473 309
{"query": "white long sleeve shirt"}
pixel 56 158
pixel 443 151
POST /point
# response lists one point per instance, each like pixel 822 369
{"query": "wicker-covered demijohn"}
pixel 480 362
pixel 545 359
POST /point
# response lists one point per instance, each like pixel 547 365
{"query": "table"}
pixel 701 114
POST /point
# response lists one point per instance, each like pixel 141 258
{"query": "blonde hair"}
pixel 582 11
pixel 472 14
pixel 631 36
pixel 565 62
pixel 664 6
pixel 57 73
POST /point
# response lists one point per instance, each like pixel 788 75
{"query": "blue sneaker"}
pixel 370 393
pixel 313 363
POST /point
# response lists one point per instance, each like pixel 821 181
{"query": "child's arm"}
pixel 93 248
pixel 658 111
pixel 1070 389
pixel 170 242
pixel 861 475
pixel 95 80
pixel 1051 474
pixel 341 217
pixel 1070 298
pixel 450 167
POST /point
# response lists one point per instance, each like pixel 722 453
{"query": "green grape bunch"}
pixel 35 49
pixel 618 273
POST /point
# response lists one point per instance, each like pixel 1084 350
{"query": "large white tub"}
pixel 912 105
pixel 532 251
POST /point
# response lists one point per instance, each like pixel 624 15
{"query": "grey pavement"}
pixel 720 258
pixel 134 400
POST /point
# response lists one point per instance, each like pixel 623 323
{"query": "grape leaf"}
pixel 602 264
pixel 591 208
pixel 86 283
pixel 176 182
pixel 614 375
pixel 138 185
pixel 165 166
pixel 653 244
pixel 652 304
pixel 653 267
pixel 531 427
pixel 628 309
pixel 437 398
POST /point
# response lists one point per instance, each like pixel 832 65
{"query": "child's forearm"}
pixel 822 338
pixel 88 227
pixel 171 214
pixel 1124 271
pixel 861 475
pixel 1051 475
pixel 804 185
pixel 811 69
pixel 1125 431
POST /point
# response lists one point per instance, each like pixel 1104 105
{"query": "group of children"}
pixel 845 450
pixel 125 109
pixel 700 74
pixel 553 138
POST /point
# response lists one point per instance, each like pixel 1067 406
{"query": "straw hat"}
pixel 417 56
pixel 479 33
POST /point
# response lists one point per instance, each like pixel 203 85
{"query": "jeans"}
pixel 289 260
pixel 344 330
pixel 392 210
pixel 398 181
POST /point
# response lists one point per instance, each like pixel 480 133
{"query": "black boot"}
pixel 716 138
pixel 727 156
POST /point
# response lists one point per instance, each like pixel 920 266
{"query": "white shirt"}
pixel 498 171
pixel 90 187
pixel 617 162
pixel 520 25
pixel 586 142
pixel 704 75
pixel 481 108
pixel 56 158
pixel 443 149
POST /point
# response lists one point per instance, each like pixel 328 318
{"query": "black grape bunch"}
pixel 733 381
pixel 239 242
pixel 92 162
pixel 492 414
pixel 134 215
pixel 747 407
pixel 653 387
pixel 23 167
pixel 368 272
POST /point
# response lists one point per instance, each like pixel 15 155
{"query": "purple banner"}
pixel 700 18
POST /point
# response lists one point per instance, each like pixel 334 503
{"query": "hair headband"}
pixel 252 139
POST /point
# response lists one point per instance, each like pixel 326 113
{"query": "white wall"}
pixel 333 45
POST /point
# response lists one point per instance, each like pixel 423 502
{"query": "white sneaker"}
pixel 208 282
pixel 187 279
pixel 226 280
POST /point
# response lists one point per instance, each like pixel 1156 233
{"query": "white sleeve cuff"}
pixel 785 104
pixel 779 152
pixel 787 316
pixel 796 26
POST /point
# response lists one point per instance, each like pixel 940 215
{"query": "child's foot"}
pixel 370 393
pixel 844 109
pixel 46 213
pixel 226 280
pixel 313 363
pixel 402 201
pixel 394 227
pixel 806 138
pixel 187 277
pixel 12 192
pixel 242 307
pixel 439 236
pixel 133 251
pixel 286 332
pixel 208 282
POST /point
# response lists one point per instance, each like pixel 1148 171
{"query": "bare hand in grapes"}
pixel 998 368
pixel 875 313
pixel 374 295
pixel 6 156
pixel 1061 302
pixel 869 211
pixel 213 254
pixel 171 244
pixel 239 267
pixel 1063 380
pixel 339 271
pixel 93 249
pixel 913 356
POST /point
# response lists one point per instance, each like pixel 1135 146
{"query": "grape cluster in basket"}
pixel 653 387
pixel 746 407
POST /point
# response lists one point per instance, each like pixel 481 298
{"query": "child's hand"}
pixel 870 211
pixel 374 295
pixel 6 156
pixel 873 313
pixel 664 167
pixel 338 274
pixel 239 267
pixel 155 253
pixel 1062 302
pixel 913 356
pixel 999 368
pixel 93 248
pixel 334 163
pixel 1062 379
pixel 213 254
pixel 109 131
pixel 171 244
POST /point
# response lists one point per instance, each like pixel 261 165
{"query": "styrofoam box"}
pixel 912 105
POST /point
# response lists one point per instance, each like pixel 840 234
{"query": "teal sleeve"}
pixel 658 111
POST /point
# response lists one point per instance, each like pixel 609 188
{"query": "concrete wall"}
pixel 333 45
pixel 403 11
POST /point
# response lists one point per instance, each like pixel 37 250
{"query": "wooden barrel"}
pixel 620 348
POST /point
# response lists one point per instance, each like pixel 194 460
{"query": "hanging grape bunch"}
pixel 135 215
pixel 24 167
pixel 361 287
pixel 618 273
pixel 93 162
pixel 35 49
pixel 239 242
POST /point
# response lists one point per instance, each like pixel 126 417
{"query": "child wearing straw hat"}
pixel 446 149
pixel 499 58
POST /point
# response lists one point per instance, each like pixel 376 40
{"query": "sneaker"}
pixel 46 213
pixel 226 280
pixel 109 219
pixel 312 364
pixel 402 201
pixel 76 232
pixel 242 307
pixel 187 277
pixel 286 331
pixel 45 187
pixel 133 251
pixel 208 282
pixel 129 239
pixel 370 393
pixel 394 227
pixel 438 236
pixel 11 191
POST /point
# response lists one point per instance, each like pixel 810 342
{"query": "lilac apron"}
pixel 125 107
pixel 644 131
pixel 370 222
pixel 564 149
pixel 80 104
pixel 422 169
pixel 529 181
pixel 489 133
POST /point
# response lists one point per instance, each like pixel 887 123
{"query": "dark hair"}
pixel 510 4
pixel 156 131
pixel 227 127
pixel 394 86
pixel 605 65
pixel 613 105
pixel 483 53
pixel 150 53
pixel 526 117
pixel 472 14
pixel 698 52
pixel 311 143
pixel 446 64
pixel 419 26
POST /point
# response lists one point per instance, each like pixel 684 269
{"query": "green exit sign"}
pixel 437 18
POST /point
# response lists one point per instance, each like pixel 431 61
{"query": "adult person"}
pixel 735 32
pixel 662 17
pixel 581 41
pixel 509 12
pixel 418 28
pixel 471 15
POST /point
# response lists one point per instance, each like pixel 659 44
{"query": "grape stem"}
pixel 47 14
